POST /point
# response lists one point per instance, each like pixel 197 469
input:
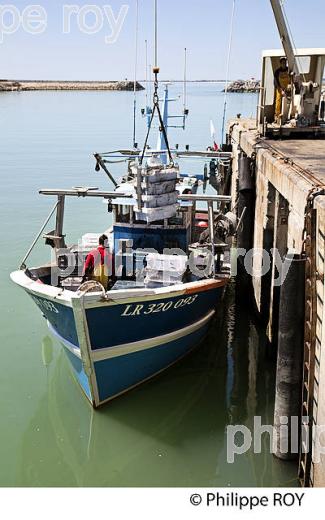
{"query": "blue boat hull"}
pixel 118 342
pixel 117 375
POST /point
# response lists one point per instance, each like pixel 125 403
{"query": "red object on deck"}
pixel 202 224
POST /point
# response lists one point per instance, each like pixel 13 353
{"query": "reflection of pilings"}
pixel 252 373
pixel 268 243
pixel 231 324
pixel 290 357
pixel 237 377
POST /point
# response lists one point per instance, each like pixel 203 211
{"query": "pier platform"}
pixel 289 215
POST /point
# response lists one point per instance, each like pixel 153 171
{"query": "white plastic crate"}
pixel 157 201
pixel 90 241
pixel 174 264
pixel 160 175
pixel 154 214
pixel 159 188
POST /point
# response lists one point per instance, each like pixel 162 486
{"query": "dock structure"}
pixel 288 214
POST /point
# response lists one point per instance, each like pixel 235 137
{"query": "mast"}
pixel 135 75
pixel 156 38
pixel 156 107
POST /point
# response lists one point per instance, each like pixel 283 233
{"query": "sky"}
pixel 69 44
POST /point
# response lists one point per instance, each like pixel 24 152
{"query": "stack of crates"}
pixel 164 269
pixel 158 193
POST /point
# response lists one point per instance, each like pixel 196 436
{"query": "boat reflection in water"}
pixel 169 432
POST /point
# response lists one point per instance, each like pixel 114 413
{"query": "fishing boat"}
pixel 168 269
pixel 167 286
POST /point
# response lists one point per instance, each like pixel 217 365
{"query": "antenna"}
pixel 135 75
pixel 228 67
pixel 150 80
pixel 147 92
pixel 185 111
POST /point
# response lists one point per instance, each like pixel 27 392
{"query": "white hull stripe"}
pixel 68 345
pixel 120 297
pixel 137 346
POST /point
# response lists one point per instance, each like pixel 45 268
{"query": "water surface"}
pixel 169 432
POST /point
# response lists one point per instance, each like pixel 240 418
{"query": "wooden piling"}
pixel 287 408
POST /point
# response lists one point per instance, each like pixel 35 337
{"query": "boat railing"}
pixel 85 192
pixel 132 154
pixel 57 239
pixel 93 192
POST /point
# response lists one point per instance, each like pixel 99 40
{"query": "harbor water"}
pixel 171 431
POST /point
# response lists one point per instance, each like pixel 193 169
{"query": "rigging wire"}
pixel 228 68
pixel 135 74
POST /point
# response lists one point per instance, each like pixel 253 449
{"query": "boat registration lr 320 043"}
pixel 45 305
pixel 136 309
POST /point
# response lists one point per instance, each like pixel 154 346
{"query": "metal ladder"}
pixel 305 459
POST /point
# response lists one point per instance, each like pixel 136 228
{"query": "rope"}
pixel 163 129
pixel 135 74
pixel 162 126
pixel 147 137
pixel 91 286
pixel 228 68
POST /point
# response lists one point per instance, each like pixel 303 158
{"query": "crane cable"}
pixel 228 68
pixel 135 74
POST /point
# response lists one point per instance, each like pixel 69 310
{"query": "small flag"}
pixel 213 136
pixel 212 130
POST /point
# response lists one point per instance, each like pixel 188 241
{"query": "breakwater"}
pixel 12 85
pixel 241 86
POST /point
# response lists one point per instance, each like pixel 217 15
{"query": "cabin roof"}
pixel 299 52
